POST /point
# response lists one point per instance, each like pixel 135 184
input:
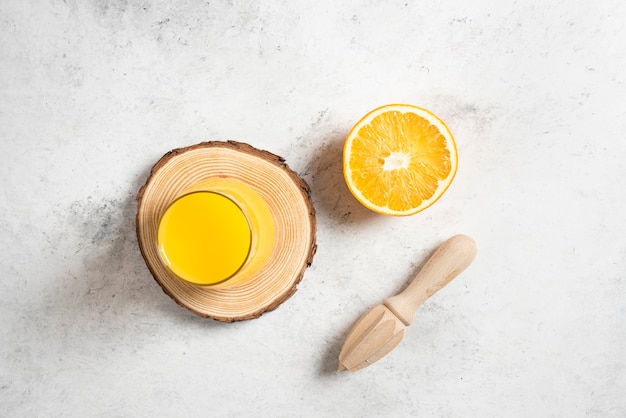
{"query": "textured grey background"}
pixel 92 93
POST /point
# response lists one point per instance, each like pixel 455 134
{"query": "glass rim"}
pixel 248 252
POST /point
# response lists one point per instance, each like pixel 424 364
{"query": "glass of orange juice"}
pixel 217 233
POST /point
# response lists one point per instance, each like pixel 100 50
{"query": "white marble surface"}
pixel 93 92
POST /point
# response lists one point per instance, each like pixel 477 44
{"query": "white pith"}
pixel 396 161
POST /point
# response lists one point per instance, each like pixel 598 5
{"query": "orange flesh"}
pixel 398 160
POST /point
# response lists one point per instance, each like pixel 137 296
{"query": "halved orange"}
pixel 399 159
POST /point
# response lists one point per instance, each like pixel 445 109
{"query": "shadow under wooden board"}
pixel 288 197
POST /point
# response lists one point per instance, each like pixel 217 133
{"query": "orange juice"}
pixel 219 233
pixel 204 236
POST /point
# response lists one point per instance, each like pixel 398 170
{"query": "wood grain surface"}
pixel 288 197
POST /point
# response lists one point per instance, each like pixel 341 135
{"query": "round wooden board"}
pixel 288 197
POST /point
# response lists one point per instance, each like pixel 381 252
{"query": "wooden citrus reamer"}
pixel 381 328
